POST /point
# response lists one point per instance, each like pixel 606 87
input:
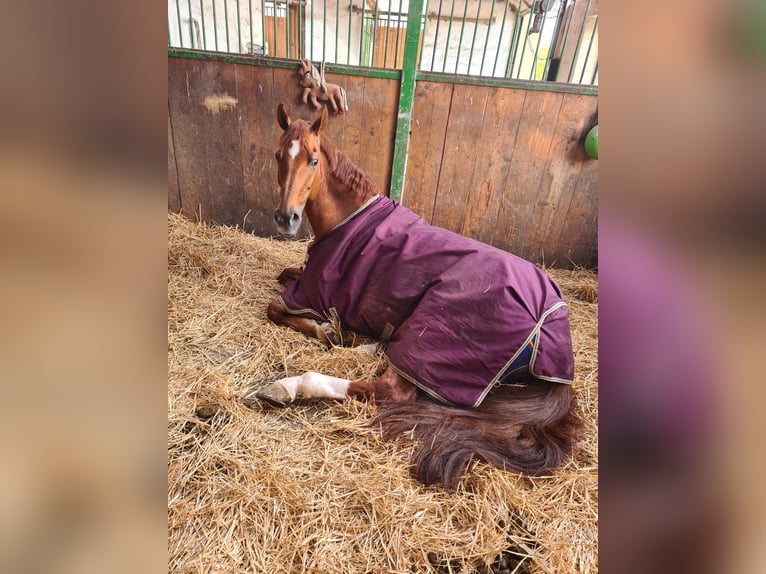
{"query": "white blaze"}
pixel 294 148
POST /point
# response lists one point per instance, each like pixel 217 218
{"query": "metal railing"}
pixel 537 40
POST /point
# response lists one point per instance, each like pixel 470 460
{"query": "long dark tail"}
pixel 527 429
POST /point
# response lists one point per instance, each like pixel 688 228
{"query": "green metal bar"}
pixel 301 41
pixel 473 39
pixel 556 30
pixel 436 35
pixel 202 16
pixel 373 34
pixel 274 25
pixel 595 74
pixel 252 41
pixel 239 30
pixel 537 47
pixel 449 33
pixel 342 69
pixel 388 28
pixel 514 44
pixel 566 38
pixel 460 40
pixel 324 29
pixel 287 27
pixel 500 39
pixel 180 33
pixel 363 40
pixel 215 27
pixel 406 96
pixel 337 21
pixel 526 42
pixel 486 39
pixel 398 29
pixel 350 19
pixel 311 41
pixel 263 28
pixel 191 25
pixel 389 74
pixel 590 45
pixel 422 40
pixel 226 18
pixel 579 41
pixel 498 82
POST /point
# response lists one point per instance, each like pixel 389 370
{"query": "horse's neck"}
pixel 339 196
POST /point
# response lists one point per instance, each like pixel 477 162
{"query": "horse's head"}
pixel 299 168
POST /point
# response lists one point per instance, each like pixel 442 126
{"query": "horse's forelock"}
pixel 295 131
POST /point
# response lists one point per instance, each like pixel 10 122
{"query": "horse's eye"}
pixel 306 74
pixel 314 163
pixel 278 156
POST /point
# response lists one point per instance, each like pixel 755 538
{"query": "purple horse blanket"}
pixel 458 315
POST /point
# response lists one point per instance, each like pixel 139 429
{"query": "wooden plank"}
pixel 462 145
pixel 206 132
pixel 502 118
pixel 378 130
pixel 345 130
pixel 533 143
pixel 259 133
pixel 578 236
pixel 430 112
pixel 223 142
pixel 174 196
pixel 190 156
pixel 559 178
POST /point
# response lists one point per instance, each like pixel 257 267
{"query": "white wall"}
pixel 239 30
pixel 321 45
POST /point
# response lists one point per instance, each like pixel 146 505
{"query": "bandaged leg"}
pixel 309 385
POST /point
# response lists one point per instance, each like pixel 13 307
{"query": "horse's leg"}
pixel 306 325
pixel 306 93
pixel 289 275
pixel 309 385
pixel 314 101
pixel 389 386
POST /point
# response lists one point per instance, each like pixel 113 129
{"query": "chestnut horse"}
pixel 478 342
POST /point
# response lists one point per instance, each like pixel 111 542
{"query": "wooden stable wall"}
pixel 505 166
pixel 221 165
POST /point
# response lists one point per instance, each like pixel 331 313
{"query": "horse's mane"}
pixel 341 168
pixel 344 170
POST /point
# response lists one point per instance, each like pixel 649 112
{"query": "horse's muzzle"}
pixel 288 222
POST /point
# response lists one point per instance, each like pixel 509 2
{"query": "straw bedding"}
pixel 312 488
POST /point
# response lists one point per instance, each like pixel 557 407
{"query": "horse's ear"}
pixel 282 117
pixel 320 123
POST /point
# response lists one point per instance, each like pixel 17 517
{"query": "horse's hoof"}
pixel 274 394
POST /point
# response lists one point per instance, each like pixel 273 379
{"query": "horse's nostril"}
pixel 291 218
